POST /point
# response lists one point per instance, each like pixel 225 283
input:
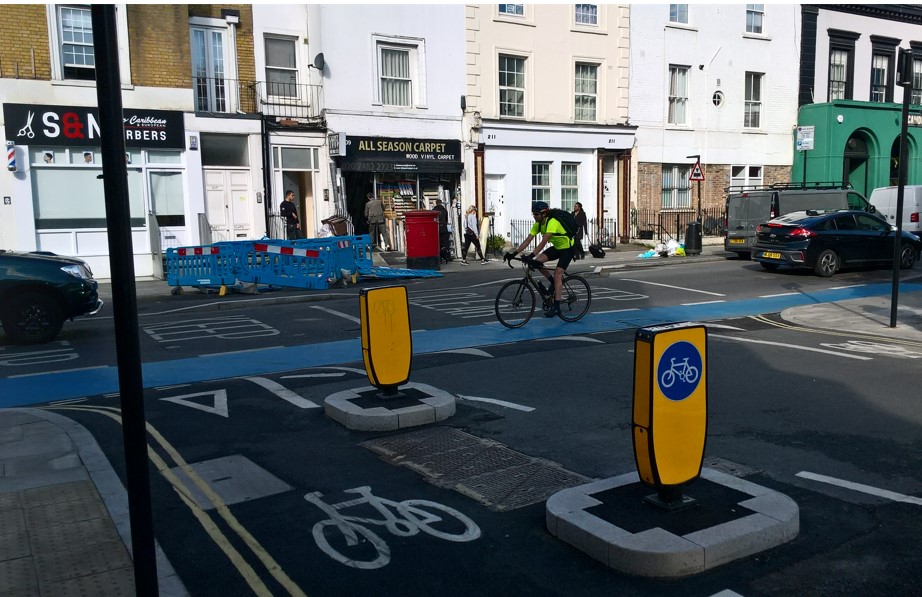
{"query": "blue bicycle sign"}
pixel 679 370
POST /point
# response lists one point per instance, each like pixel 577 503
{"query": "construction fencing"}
pixel 315 263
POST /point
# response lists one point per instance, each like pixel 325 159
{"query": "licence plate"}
pixel 771 255
pixel 737 241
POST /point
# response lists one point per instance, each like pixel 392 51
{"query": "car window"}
pixel 870 223
pixel 829 224
pixel 856 201
pixel 846 222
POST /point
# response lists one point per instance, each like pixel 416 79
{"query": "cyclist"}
pixel 561 249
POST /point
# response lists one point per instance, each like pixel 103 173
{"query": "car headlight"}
pixel 77 271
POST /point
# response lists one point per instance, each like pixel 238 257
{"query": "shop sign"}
pixel 73 126
pixel 337 143
pixel 384 154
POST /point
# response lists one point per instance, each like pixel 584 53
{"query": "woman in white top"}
pixel 471 235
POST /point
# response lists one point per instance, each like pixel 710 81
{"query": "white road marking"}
pixel 777 295
pixel 218 354
pixel 876 348
pixel 890 495
pixel 282 392
pixel 338 374
pixel 471 351
pixel 71 401
pixel 337 313
pixel 617 311
pixel 218 407
pixel 850 286
pixel 703 303
pixel 577 338
pixel 511 405
pixel 794 346
pixel 671 286
pixel 57 371
pixel 721 326
pixel 164 388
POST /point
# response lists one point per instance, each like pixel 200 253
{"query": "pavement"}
pixel 64 526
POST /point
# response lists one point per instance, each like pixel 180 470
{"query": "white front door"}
pixel 495 202
pixel 227 204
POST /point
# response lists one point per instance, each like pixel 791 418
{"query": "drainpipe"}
pixel 267 171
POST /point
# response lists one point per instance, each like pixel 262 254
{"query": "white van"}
pixel 884 199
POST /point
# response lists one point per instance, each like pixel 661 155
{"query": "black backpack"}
pixel 568 221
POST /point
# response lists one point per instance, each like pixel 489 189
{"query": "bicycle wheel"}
pixel 424 514
pixel 515 304
pixel 367 554
pixel 575 298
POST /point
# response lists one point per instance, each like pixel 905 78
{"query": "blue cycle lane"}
pixel 39 388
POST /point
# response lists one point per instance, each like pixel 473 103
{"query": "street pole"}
pixel 904 74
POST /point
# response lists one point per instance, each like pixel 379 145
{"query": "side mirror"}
pixel 872 209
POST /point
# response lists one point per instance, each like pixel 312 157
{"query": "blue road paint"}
pixel 36 389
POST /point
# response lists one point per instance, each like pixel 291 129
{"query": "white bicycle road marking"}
pixel 414 516
pixel 884 493
pixel 794 346
pixel 511 405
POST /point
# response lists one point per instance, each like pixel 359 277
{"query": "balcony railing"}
pixel 290 100
pixel 224 96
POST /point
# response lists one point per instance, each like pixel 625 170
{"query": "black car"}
pixel 39 290
pixel 826 241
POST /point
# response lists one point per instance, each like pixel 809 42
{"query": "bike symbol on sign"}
pixel 679 371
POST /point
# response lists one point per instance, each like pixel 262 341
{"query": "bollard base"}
pixel 389 393
pixel 670 502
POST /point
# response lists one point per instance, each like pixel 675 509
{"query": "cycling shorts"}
pixel 563 256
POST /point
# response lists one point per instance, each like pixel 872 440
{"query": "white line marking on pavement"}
pixel 721 326
pixel 704 303
pixel 218 407
pixel 471 351
pixel 57 371
pixel 890 495
pixel 282 392
pixel 349 369
pixel 849 286
pixel 221 354
pixel 337 313
pixel 512 405
pixel 338 374
pixel 577 338
pixel 794 346
pixel 777 295
pixel 671 286
pixel 617 311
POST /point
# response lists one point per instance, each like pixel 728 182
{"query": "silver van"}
pixel 747 207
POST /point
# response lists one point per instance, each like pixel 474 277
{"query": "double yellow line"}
pixel 221 540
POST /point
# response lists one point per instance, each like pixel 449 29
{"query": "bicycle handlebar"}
pixel 523 260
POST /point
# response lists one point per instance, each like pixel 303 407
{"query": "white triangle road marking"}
pixel 218 407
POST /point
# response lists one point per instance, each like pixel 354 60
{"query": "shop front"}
pixel 58 199
pixel 406 174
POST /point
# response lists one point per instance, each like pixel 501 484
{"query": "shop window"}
pixel 167 198
pixel 587 88
pixel 678 13
pixel 752 115
pixel 755 14
pixel 224 150
pixel 678 94
pixel 55 205
pixel 569 185
pixel 511 86
pixel 541 182
pixel 281 67
pixel 676 190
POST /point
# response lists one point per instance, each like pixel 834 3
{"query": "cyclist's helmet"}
pixel 539 207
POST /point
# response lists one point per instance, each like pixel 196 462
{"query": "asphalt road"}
pixel 782 401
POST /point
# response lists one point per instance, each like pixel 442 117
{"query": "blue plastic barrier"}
pixel 278 264
pixel 200 266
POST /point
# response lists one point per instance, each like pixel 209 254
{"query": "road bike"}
pixel 515 302
pixel 414 516
pixel 685 372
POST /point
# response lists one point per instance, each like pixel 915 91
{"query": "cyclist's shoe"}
pixel 553 311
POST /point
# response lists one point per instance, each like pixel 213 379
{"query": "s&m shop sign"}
pixel 78 126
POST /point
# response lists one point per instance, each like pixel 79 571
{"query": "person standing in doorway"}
pixel 582 230
pixel 444 231
pixel 471 235
pixel 374 215
pixel 289 211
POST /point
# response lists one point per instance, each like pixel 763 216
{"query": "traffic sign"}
pixel 696 173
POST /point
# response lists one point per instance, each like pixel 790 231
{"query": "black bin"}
pixel 693 238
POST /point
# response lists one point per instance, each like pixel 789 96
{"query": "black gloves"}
pixel 509 256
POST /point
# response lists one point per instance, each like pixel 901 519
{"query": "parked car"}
pixel 39 290
pixel 884 199
pixel 826 241
pixel 747 207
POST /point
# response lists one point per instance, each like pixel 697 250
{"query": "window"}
pixel 512 86
pixel 569 185
pixel 676 186
pixel 741 176
pixel 678 13
pixel 882 76
pixel 76 35
pixel 916 98
pixel 586 85
pixel 753 110
pixel 841 64
pixel 166 197
pixel 587 14
pixel 396 85
pixel 541 182
pixel 755 13
pixel 514 10
pixel 208 68
pixel 281 67
pixel 678 94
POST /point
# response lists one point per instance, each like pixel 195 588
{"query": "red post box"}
pixel 422 239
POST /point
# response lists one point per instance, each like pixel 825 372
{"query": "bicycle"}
pixel 685 372
pixel 515 302
pixel 418 515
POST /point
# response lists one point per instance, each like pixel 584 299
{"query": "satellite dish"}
pixel 318 61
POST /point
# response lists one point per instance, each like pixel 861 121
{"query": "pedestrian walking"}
pixel 471 235
pixel 582 230
pixel 444 231
pixel 289 212
pixel 374 215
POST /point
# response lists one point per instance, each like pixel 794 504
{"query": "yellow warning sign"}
pixel 696 173
pixel 387 345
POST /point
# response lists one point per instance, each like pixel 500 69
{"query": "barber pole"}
pixel 11 156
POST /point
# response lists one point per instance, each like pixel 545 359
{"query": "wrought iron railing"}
pixel 224 96
pixel 289 100
pixel 602 231
pixel 665 224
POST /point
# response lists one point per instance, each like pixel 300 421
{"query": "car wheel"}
pixel 827 263
pixel 33 318
pixel 908 257
pixel 769 266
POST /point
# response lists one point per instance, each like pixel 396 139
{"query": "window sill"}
pixel 669 126
pixel 81 83
pixel 754 132
pixel 513 21
pixel 682 26
pixel 588 29
pixel 757 36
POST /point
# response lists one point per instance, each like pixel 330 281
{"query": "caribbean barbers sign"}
pixel 34 124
